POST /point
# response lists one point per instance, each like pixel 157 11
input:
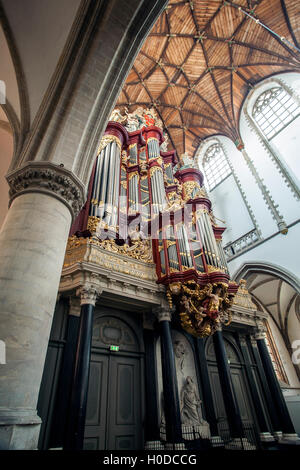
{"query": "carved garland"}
pixel 107 139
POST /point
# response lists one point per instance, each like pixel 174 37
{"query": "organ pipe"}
pixel 189 257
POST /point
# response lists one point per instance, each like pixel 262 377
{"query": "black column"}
pixel 259 410
pixel 287 426
pixel 206 388
pixel 231 406
pixel 64 391
pixel 151 423
pixel 76 419
pixel 170 388
pixel 266 390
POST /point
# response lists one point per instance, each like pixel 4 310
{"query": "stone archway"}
pixel 277 292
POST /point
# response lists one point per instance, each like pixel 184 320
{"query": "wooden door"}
pixel 114 408
pixel 124 404
pixel 96 415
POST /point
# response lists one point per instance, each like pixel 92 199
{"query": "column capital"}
pixel 260 331
pixel 88 294
pixel 242 340
pixel 162 313
pixel 218 327
pixel 74 306
pixel 253 340
pixel 259 335
pixel 50 179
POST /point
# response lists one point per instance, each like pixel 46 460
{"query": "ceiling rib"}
pixel 187 44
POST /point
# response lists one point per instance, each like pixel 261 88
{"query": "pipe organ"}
pixel 140 196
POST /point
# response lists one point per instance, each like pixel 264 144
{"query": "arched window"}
pixel 273 110
pixel 215 165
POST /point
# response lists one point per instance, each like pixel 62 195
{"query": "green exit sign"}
pixel 114 348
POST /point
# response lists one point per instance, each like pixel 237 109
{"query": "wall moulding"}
pixel 91 251
pixel 113 284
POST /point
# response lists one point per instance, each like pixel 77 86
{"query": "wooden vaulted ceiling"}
pixel 201 59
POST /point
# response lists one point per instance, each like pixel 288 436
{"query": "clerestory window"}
pixel 215 165
pixel 274 110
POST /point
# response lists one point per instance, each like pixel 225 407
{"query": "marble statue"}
pixel 190 403
pixel 179 351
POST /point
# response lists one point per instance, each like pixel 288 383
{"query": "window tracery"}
pixel 274 110
pixel 215 165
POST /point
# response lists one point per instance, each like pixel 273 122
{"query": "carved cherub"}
pixel 200 316
pixel 175 203
pixel 133 122
pixel 136 234
pixel 184 304
pixel 213 302
pixel 117 116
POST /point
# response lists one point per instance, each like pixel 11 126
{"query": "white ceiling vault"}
pixel 38 31
pixel 278 299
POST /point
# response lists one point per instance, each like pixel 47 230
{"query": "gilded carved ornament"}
pixel 93 223
pixel 210 268
pixel 132 174
pixel 124 157
pixel 201 309
pixel 243 297
pixel 117 116
pixel 107 139
pixel 175 201
pixel 154 169
pixel 189 187
pixel 92 251
pixel 139 249
pixel 137 119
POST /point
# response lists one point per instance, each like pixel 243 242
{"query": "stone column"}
pixel 215 439
pixel 276 431
pixel 170 387
pixel 77 411
pixel 289 434
pixel 152 437
pixel 265 435
pixel 58 428
pixel 33 237
pixel 230 402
